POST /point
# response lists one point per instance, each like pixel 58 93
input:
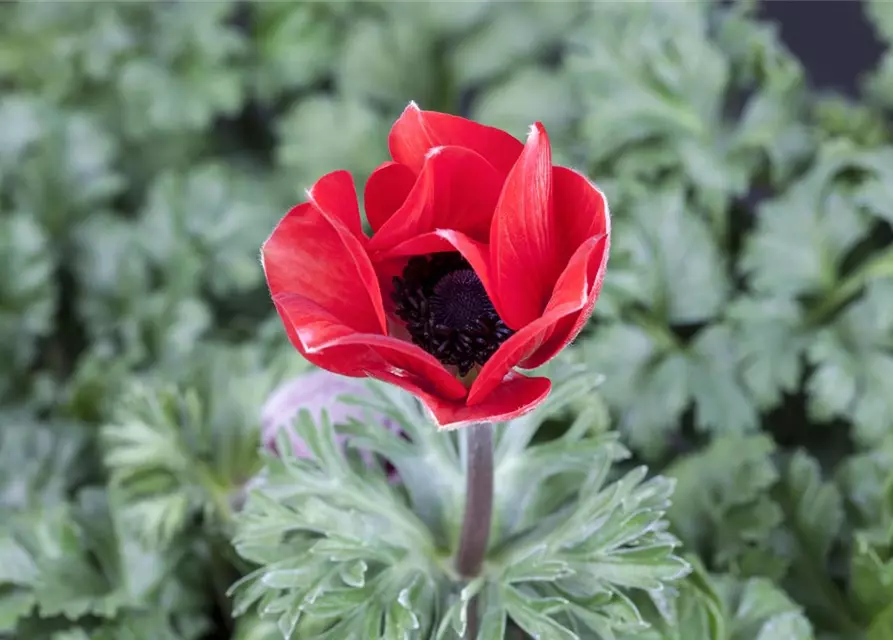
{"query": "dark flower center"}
pixel 447 311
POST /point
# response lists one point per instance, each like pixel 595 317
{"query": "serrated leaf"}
pixel 722 404
pixel 721 502
pixel 668 261
pixel 755 605
pixel 389 61
pixel 530 94
pixel 346 134
pixel 771 341
pixel 655 378
pixel 815 506
pixel 854 365
pixel 354 574
pixel 529 614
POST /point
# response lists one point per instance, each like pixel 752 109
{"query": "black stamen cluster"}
pixel 447 311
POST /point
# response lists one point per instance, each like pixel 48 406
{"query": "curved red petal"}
pixel 302 325
pixel 566 329
pixel 386 191
pixel 457 189
pixel 416 132
pixel 335 195
pixel 571 296
pixel 524 239
pixel 583 214
pixel 516 396
pixel 580 209
pixel 311 253
pixel 332 345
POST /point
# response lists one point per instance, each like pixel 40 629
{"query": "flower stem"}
pixel 478 500
pixel 478 511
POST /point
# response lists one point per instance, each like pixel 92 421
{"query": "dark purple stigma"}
pixel 447 311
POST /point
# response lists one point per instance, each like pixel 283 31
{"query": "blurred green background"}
pixel 147 149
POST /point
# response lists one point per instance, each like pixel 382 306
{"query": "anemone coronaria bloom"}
pixel 484 258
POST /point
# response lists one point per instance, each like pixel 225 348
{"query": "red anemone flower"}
pixel 484 258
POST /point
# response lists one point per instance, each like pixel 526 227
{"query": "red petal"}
pixel 330 344
pixel 567 328
pixel 311 253
pixel 302 327
pixel 417 131
pixel 457 189
pixel 580 209
pixel 524 239
pixel 335 195
pixel 386 191
pixel 571 295
pixel 514 397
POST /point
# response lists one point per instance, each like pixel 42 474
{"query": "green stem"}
pixel 880 266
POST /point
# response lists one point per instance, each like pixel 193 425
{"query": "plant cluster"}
pixel 715 460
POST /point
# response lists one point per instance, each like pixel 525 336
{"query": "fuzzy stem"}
pixel 478 510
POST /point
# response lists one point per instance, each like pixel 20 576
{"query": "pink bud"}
pixel 315 391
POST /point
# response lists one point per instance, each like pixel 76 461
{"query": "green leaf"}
pixel 40 462
pixel 655 379
pixel 809 305
pixel 758 609
pixel 388 61
pixel 188 74
pixel 666 259
pixel 882 625
pixel 509 35
pixel 174 451
pixel 801 237
pixel 722 509
pixel 721 402
pixel 771 343
pixel 853 361
pixel 818 512
pixel 345 134
pixel 528 95
pixel 531 615
pixel 813 520
pixel 693 609
pixel 207 225
pixel 493 622
pixel 668 80
pixel 288 32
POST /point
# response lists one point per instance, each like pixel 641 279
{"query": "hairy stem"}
pixel 478 510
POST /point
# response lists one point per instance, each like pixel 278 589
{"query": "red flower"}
pixel 484 258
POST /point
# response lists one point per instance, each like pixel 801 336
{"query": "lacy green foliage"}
pixel 832 308
pixel 344 553
pixel 182 454
pixel 721 607
pixel 749 510
pixel 67 562
pixel 656 88
pixel 744 334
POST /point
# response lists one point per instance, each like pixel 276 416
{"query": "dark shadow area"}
pixel 833 39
